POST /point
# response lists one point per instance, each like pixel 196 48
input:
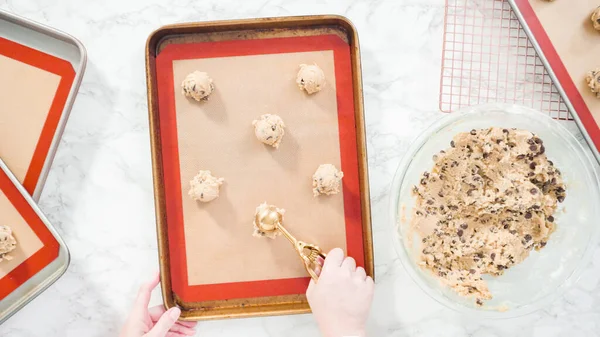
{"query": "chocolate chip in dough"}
pixel 528 215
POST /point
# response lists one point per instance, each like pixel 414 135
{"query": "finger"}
pixel 311 287
pixel 349 263
pixel 156 312
pixel 144 294
pixel 334 259
pixel 187 324
pixel 360 274
pixel 165 323
pixel 183 330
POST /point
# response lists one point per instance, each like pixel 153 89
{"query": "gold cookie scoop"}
pixel 269 220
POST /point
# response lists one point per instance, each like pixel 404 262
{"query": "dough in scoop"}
pixel 261 211
pixel 269 129
pixel 205 187
pixel 596 18
pixel 593 81
pixel 327 180
pixel 7 243
pixel 197 85
pixel 310 78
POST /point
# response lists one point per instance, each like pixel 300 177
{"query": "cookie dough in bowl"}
pixel 506 239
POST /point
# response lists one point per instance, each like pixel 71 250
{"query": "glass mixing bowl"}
pixel 543 276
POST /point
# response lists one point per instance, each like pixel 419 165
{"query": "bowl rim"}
pixel 395 213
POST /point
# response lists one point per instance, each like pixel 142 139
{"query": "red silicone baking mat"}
pixel 487 57
pixel 34 88
pixel 36 246
pixel 564 34
pixel 253 77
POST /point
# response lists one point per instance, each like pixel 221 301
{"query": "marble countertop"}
pixel 99 193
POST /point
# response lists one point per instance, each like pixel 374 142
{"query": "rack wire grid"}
pixel 487 57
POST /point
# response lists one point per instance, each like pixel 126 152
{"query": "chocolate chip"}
pixel 550 162
pixel 472 271
pixel 498 141
pixel 538 141
pixel 460 232
pixel 423 181
pixel 429 202
pixel 527 237
pixel 506 226
pixel 426 174
pixel 473 132
pixel 464 226
pixel 479 302
pixel 500 267
pixel 532 165
pixel 521 156
pixel 513 232
pixel 528 215
pixel 542 149
pixel 543 244
pixel 560 198
pixel 493 256
pixel 485 155
pixel 550 218
pixel 452 143
pixel 505 130
pixel 530 174
pixel 533 191
pixel 530 141
pixel 533 148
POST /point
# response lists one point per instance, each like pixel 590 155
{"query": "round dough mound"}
pixel 310 78
pixel 197 85
pixel 326 180
pixel 593 81
pixel 269 129
pixel 205 187
pixel 260 224
pixel 596 18
pixel 7 243
pixel 487 203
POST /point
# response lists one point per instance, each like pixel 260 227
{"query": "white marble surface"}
pixel 99 192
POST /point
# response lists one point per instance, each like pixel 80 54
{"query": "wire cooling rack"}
pixel 487 57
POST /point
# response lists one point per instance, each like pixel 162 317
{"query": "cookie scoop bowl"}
pixel 544 275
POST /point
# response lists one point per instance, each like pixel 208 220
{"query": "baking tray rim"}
pixel 55 269
pixel 153 43
pixel 79 72
pixel 554 78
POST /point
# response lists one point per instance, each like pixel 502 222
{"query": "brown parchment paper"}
pixel 218 135
pixel 570 29
pixel 27 242
pixel 26 95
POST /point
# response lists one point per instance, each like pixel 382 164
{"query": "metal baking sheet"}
pixel 39 59
pixel 567 44
pixel 206 279
pixel 41 256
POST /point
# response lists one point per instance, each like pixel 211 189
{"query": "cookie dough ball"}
pixel 266 219
pixel 7 243
pixel 197 85
pixel 326 180
pixel 593 81
pixel 269 129
pixel 596 18
pixel 310 78
pixel 205 187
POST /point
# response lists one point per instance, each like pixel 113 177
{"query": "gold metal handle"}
pixel 309 253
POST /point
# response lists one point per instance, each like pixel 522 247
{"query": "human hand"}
pixel 155 321
pixel 340 300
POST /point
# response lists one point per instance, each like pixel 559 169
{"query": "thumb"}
pixel 165 323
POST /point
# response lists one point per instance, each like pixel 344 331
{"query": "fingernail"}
pixel 174 313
